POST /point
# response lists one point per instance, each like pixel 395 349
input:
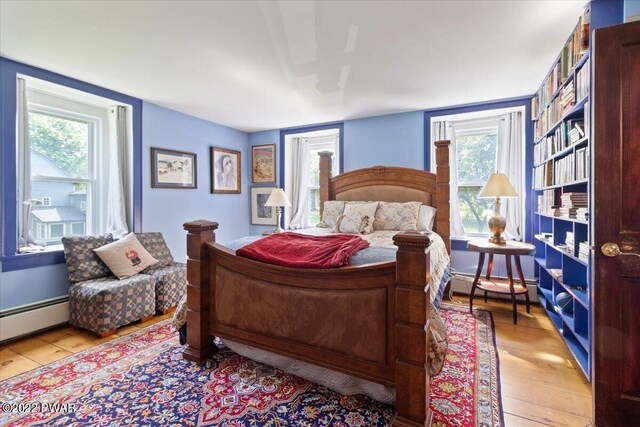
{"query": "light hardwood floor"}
pixel 541 384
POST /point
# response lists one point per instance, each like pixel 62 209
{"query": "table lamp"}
pixel 497 186
pixel 277 199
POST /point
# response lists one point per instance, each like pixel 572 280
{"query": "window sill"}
pixel 31 260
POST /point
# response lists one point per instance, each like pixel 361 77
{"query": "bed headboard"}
pixel 394 184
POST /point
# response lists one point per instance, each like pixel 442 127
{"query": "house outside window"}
pixel 61 145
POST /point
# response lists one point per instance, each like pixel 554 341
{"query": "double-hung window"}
pixel 476 147
pixel 62 147
pixel 70 146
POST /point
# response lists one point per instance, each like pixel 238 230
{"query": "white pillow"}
pixel 330 213
pixel 357 218
pixel 426 218
pixel 126 257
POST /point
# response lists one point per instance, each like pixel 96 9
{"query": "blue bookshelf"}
pixel 562 165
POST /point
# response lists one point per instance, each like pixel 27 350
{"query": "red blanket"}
pixel 297 250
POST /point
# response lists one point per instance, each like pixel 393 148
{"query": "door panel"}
pixel 616 280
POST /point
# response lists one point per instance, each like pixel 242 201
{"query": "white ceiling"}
pixel 256 65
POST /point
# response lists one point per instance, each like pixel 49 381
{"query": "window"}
pixel 61 145
pixel 56 231
pixel 315 147
pixel 83 205
pixel 77 228
pixel 476 153
pixel 305 211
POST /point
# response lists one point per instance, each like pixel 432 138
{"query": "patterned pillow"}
pixel 157 247
pixel 82 263
pixel 332 210
pixel 426 218
pixel 357 218
pixel 397 216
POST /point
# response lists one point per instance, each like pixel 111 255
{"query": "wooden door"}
pixel 616 278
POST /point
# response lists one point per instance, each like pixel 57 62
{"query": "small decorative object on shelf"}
pixel 278 199
pixel 497 186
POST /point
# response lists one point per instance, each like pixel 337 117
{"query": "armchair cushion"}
pixel 82 262
pixel 155 244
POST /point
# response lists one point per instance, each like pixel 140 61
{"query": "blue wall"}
pixel 392 140
pixel 631 9
pixel 166 210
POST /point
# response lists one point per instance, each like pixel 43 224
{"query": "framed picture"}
pixel 263 163
pixel 225 171
pixel 173 169
pixel 261 214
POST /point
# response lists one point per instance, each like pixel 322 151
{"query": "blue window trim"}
pixel 304 129
pixel 524 101
pixel 9 70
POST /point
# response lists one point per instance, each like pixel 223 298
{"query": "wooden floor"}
pixel 541 384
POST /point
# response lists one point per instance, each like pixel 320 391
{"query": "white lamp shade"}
pixel 498 185
pixel 278 198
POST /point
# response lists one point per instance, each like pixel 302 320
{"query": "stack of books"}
pixel 582 213
pixel 571 202
pixel 576 131
pixel 570 242
pixel 567 97
pixel 556 273
pixel 583 251
pixel 546 203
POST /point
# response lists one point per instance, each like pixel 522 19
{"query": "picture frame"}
pixel 261 214
pixel 263 163
pixel 225 170
pixel 173 169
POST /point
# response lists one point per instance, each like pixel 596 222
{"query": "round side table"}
pixel 508 249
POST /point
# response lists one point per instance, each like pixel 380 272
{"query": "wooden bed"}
pixel 369 321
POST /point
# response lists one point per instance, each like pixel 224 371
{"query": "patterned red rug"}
pixel 142 379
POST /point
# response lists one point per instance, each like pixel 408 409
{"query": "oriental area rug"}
pixel 142 380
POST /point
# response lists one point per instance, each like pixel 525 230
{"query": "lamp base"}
pixel 278 229
pixel 497 224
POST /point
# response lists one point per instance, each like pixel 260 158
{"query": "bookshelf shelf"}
pixel 561 115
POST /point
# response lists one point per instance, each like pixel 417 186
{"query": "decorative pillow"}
pixel 426 218
pixel 397 216
pixel 82 263
pixel 332 210
pixel 357 218
pixel 125 257
pixel 155 244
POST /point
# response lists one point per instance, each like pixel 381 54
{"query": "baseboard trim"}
pixel 17 323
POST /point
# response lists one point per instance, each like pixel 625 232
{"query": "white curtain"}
pixel 440 131
pixel 509 162
pixel 23 158
pixel 116 205
pixel 299 183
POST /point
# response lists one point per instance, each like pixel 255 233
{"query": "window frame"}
pixel 324 146
pixel 9 72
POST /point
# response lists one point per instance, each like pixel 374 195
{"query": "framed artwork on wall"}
pixel 263 163
pixel 261 214
pixel 173 169
pixel 225 171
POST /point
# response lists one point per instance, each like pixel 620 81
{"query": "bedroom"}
pixel 357 79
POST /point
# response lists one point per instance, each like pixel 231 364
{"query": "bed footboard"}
pixel 369 321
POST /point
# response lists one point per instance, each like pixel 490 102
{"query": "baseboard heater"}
pixel 30 318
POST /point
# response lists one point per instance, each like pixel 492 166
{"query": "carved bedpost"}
pixel 412 338
pixel 199 343
pixel 442 199
pixel 325 177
